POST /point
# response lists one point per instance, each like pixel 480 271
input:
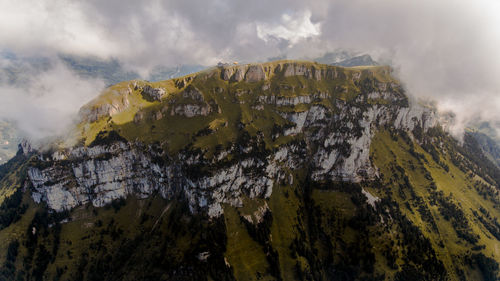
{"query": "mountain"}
pixel 112 71
pixel 346 58
pixel 335 56
pixel 18 71
pixel 160 73
pixel 286 170
pixel 485 134
pixel 489 146
pixel 363 60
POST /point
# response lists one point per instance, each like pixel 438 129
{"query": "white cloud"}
pixel 35 26
pixel 48 105
pixel 292 27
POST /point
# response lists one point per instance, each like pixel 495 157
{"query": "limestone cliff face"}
pixel 252 73
pixel 259 72
pixel 335 146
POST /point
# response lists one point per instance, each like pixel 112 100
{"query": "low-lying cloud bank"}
pixel 47 102
pixel 447 50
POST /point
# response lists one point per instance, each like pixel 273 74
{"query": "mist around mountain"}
pixel 286 170
pixel 346 58
pixel 17 70
pixel 363 60
pixel 21 73
pixel 339 57
pixel 112 71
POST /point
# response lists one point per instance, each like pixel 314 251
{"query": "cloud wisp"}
pixel 47 104
pixel 290 28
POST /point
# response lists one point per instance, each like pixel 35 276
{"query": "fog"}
pixel 46 105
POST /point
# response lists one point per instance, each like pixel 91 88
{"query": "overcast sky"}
pixel 448 50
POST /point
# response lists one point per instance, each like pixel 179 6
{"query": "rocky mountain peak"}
pixel 25 147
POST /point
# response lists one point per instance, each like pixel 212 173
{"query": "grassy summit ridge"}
pixel 233 102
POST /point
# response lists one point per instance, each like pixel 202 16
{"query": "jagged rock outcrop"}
pixel 227 73
pixel 194 105
pixel 239 74
pixel 252 73
pixel 25 147
pixel 193 93
pixel 155 94
pixel 297 69
pixel 416 115
pixel 181 83
pixel 255 73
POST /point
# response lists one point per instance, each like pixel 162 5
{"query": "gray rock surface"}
pixel 255 73
pixel 150 93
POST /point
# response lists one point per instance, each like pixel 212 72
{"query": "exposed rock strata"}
pixel 336 147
